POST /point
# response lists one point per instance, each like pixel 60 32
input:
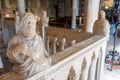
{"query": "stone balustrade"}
pixel 81 61
pixel 58 39
pixel 76 55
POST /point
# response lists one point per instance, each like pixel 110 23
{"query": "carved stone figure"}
pixel 17 22
pixel 26 50
pixel 73 42
pixel 44 19
pixel 101 25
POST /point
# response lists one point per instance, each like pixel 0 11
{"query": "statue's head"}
pixel 28 25
pixel 101 14
pixel 44 13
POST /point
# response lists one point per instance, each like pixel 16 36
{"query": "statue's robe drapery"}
pixel 35 59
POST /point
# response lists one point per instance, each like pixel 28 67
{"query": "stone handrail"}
pixel 82 61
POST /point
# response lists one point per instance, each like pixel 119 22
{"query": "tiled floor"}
pixel 115 74
pixel 111 75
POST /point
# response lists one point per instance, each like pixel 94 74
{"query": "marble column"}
pixel 74 6
pixel 21 7
pixel 91 14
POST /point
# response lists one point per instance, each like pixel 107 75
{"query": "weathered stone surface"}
pixel 26 50
pixel 11 76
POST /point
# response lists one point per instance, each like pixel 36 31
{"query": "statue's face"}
pixel 29 27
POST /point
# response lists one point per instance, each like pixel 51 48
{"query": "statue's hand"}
pixel 21 48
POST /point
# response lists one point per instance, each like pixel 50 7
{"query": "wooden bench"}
pixel 60 22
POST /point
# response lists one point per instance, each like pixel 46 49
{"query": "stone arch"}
pixel 92 67
pixel 83 67
pixel 97 69
pixel 98 63
pixel 93 56
pixel 72 74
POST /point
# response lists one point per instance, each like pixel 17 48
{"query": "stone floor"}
pixel 111 75
pixel 115 73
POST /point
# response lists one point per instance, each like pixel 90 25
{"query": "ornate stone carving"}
pixel 84 64
pixel 71 75
pixel 101 25
pixel 73 42
pixel 63 44
pixel 44 19
pixel 26 50
pixel 17 22
pixel 55 45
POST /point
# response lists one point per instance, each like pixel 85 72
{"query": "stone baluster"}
pixel 55 45
pixel 73 42
pixel 63 44
pixel 84 72
pixel 48 44
pixel 93 68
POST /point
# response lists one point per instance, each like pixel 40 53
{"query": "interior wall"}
pixel 64 8
pixel 59 8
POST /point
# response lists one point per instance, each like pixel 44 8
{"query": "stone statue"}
pixel 17 22
pixel 101 25
pixel 44 19
pixel 26 50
